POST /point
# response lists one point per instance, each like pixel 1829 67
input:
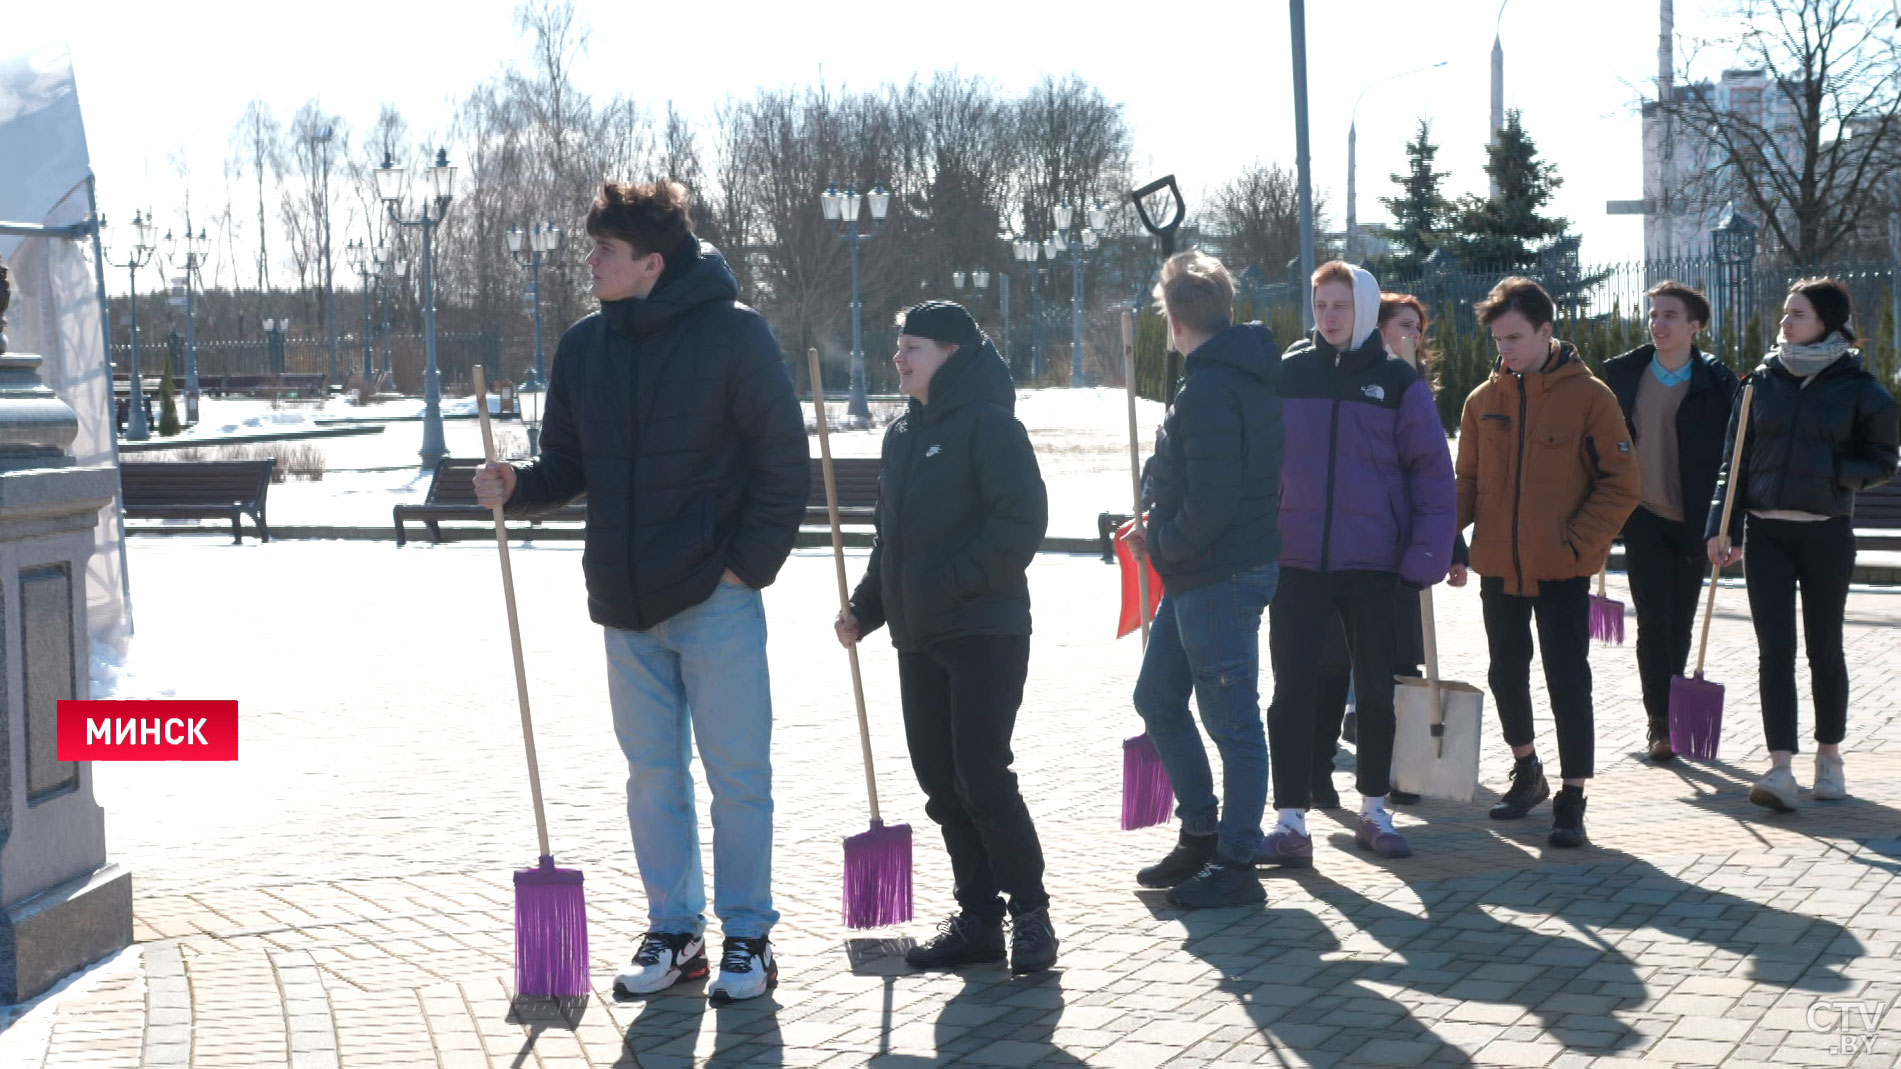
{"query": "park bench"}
pixel 198 490
pixel 452 497
pixel 857 479
pixel 1878 510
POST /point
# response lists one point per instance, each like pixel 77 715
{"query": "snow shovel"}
pixel 877 861
pixel 1165 232
pixel 1607 614
pixel 1696 704
pixel 550 909
pixel 1147 795
pixel 1436 738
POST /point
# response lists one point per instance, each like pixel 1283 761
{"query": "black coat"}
pixel 676 415
pixel 1213 486
pixel 1810 447
pixel 961 512
pixel 1701 420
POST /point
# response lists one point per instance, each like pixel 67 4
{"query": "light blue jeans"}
pixel 700 674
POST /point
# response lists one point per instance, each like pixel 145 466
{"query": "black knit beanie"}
pixel 941 321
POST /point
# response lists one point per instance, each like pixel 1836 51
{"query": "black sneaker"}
pixel 664 959
pixel 961 940
pixel 1190 854
pixel 1567 818
pixel 1527 790
pixel 1032 942
pixel 1658 745
pixel 1219 883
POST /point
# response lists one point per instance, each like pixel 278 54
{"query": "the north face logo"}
pixel 1374 391
pixel 934 450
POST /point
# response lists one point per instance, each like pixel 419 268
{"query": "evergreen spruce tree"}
pixel 1421 213
pixel 168 424
pixel 1507 232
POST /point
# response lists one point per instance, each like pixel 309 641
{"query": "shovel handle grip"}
pixel 1165 230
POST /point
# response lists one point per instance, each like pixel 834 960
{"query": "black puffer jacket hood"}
pixel 696 274
pixel 961 512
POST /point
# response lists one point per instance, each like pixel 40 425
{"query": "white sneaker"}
pixel 1777 790
pixel 664 959
pixel 747 969
pixel 1830 783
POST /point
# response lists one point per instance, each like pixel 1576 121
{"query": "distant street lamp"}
pixel 392 268
pixel 979 285
pixel 843 211
pixel 361 260
pixel 1026 252
pixel 1079 246
pixel 1733 245
pixel 325 137
pixel 1353 136
pixel 276 335
pixel 389 186
pixel 528 248
pixel 189 255
pixel 144 243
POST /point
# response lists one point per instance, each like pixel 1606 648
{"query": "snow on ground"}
pixel 1081 440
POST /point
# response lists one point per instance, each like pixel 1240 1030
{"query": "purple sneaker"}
pixel 1289 849
pixel 1376 833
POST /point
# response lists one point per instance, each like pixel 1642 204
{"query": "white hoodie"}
pixel 1366 307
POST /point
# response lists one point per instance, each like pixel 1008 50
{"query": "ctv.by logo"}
pixel 1856 1023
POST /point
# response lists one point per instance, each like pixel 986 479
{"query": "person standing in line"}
pixel 1547 476
pixel 1403 326
pixel 961 511
pixel 1821 429
pixel 672 409
pixel 1676 402
pixel 1366 506
pixel 1210 490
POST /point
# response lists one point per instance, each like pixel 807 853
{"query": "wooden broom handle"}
pixel 1729 504
pixel 838 562
pixel 1135 465
pixel 514 622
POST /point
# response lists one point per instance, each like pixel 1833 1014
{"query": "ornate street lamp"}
pixel 843 211
pixel 144 243
pixel 529 248
pixel 389 186
pixel 1078 246
pixel 189 254
pixel 1733 245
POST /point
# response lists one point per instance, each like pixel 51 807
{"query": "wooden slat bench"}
pixel 1879 510
pixel 857 479
pixel 198 490
pixel 452 497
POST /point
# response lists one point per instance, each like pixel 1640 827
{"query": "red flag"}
pixel 1131 617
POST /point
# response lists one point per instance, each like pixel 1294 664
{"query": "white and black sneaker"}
pixel 664 959
pixel 747 969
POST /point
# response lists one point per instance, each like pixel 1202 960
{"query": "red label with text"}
pixel 148 731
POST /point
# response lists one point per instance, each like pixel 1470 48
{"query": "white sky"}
pixel 159 84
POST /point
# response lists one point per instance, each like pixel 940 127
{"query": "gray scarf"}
pixel 1803 361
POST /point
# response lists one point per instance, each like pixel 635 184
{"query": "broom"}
pixel 1696 704
pixel 1147 795
pixel 877 861
pixel 1607 614
pixel 550 908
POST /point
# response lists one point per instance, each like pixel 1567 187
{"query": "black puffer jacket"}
pixel 1810 447
pixel 1213 486
pixel 1701 419
pixel 961 512
pixel 676 415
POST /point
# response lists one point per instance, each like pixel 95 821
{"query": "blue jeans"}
pixel 1207 642
pixel 699 674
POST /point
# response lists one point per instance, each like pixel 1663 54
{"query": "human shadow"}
pixel 670 1028
pixel 997 1017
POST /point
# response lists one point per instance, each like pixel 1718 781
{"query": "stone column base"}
pixel 64 929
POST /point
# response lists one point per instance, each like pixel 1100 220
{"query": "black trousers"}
pixel 1299 616
pixel 960 706
pixel 1667 565
pixel 1562 609
pixel 1819 558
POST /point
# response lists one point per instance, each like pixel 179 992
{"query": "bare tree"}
pixel 1809 152
pixel 1257 215
pixel 256 153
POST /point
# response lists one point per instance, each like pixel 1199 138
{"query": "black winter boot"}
pixel 1567 818
pixel 1527 790
pixel 1190 854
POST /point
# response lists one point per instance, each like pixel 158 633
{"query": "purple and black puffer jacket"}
pixel 1366 481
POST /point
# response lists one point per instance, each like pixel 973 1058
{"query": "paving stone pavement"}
pixel 341 895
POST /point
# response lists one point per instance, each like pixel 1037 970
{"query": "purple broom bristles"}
pixel 1607 620
pixel 1696 717
pixel 550 932
pixel 1147 795
pixel 878 876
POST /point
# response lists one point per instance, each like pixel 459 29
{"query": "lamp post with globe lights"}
pixel 144 243
pixel 389 186
pixel 844 211
pixel 528 248
pixel 189 254
pixel 1078 246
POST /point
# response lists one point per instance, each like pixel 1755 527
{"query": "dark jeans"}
pixel 1818 556
pixel 1302 605
pixel 1563 611
pixel 1667 565
pixel 1206 642
pixel 960 707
